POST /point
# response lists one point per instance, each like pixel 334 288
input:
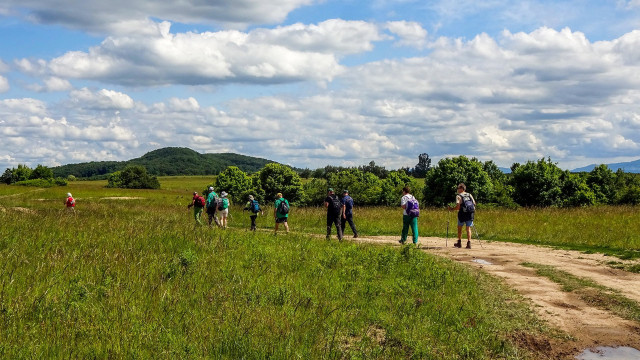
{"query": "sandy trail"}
pixel 588 326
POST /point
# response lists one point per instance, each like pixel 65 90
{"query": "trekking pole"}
pixel 477 236
pixel 446 242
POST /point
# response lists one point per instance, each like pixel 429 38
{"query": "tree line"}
pixel 538 183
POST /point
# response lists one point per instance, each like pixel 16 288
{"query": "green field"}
pixel 133 278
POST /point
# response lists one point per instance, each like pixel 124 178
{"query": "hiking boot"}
pixel 458 244
pixel 355 236
pixel 468 245
pixel 402 242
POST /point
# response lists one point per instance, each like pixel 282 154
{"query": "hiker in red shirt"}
pixel 198 203
pixel 70 202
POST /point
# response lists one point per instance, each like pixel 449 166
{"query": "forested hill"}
pixel 167 161
pixel 628 167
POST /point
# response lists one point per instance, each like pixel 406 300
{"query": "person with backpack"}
pixel 347 213
pixel 198 203
pixel 254 208
pixel 223 209
pixel 466 206
pixel 334 213
pixel 281 212
pixel 70 202
pixel 212 206
pixel 410 213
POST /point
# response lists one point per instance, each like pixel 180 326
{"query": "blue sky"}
pixel 317 82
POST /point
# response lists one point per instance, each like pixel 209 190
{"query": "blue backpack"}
pixel 255 206
pixel 413 207
pixel 467 204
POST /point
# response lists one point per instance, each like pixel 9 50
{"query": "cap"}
pixel 250 197
pixel 69 195
pixel 345 191
pixel 330 189
pixel 210 188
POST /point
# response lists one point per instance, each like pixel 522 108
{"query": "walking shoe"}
pixel 402 241
pixel 458 244
pixel 468 244
pixel 355 236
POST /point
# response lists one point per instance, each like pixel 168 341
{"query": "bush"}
pixel 133 177
pixel 442 180
pixel 277 178
pixel 235 182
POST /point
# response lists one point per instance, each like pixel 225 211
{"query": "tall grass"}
pixel 135 279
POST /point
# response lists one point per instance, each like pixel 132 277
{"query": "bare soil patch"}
pixel 586 326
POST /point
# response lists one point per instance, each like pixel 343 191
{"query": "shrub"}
pixel 133 177
pixel 277 178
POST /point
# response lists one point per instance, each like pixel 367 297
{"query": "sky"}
pixel 311 83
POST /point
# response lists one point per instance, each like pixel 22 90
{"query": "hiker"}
pixel 334 213
pixel 212 206
pixel 223 209
pixel 254 208
pixel 281 212
pixel 198 203
pixel 347 213
pixel 410 212
pixel 70 202
pixel 466 206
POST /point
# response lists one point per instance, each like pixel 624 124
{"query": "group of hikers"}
pixel 339 212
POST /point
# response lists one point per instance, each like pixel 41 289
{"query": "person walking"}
pixel 70 202
pixel 347 213
pixel 466 206
pixel 410 208
pixel 212 206
pixel 223 209
pixel 334 213
pixel 281 212
pixel 197 202
pixel 254 208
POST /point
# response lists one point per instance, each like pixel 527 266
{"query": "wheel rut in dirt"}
pixel 586 325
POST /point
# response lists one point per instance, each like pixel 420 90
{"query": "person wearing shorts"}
pixel 224 212
pixel 279 217
pixel 464 218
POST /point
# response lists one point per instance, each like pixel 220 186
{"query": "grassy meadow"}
pixel 129 276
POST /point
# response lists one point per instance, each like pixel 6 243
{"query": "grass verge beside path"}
pixel 135 279
pixel 591 292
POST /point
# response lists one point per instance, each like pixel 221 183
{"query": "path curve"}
pixel 588 326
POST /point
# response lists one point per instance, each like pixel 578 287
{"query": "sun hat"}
pixel 69 195
pixel 224 194
pixel 210 188
pixel 250 197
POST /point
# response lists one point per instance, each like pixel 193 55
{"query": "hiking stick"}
pixel 446 242
pixel 477 236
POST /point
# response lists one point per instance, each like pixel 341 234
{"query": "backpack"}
pixel 336 205
pixel 413 207
pixel 223 203
pixel 214 203
pixel 71 202
pixel 255 206
pixel 467 205
pixel 200 201
pixel 283 207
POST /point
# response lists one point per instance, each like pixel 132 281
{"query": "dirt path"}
pixel 587 325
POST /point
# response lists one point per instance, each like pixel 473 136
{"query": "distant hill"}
pixel 167 161
pixel 628 167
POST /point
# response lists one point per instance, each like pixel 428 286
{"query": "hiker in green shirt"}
pixel 281 212
pixel 212 205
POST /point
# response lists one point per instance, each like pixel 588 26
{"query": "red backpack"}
pixel 199 201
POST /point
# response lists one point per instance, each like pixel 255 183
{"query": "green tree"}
pixel 41 172
pixel 627 188
pixel 442 180
pixel 391 187
pixel 364 187
pixel 315 192
pixel 423 166
pixel 277 178
pixel 537 183
pixel 235 182
pixel 575 190
pixel 133 177
pixel 602 182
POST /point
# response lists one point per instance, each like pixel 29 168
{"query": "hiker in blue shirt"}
pixel 347 213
